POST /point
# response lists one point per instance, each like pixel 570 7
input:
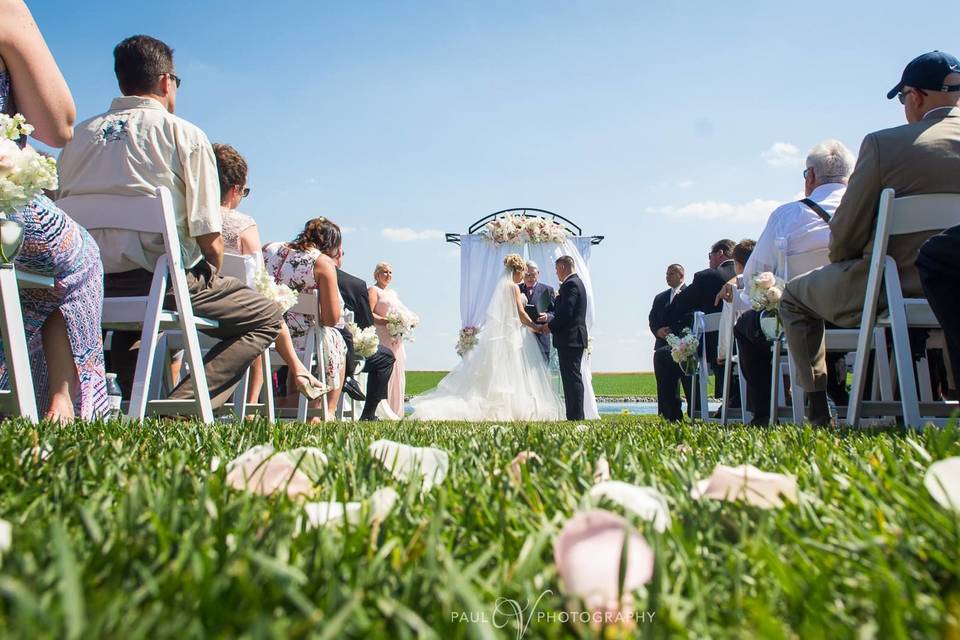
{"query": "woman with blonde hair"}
pixel 383 301
pixel 504 376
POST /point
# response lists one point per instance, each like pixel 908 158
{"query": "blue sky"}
pixel 662 125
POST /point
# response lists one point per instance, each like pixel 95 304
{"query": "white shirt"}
pixel 674 291
pixel 802 228
pixel 131 150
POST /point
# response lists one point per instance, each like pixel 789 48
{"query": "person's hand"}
pixel 726 293
pixel 544 329
pixel 662 332
pixel 543 318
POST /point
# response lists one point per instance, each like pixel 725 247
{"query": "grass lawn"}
pixel 127 532
pixel 604 384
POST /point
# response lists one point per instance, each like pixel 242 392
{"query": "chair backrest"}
pixel 792 263
pixel 240 267
pixel 145 214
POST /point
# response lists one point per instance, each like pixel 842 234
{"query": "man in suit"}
pixel 539 298
pixel 657 317
pixel 920 157
pixel 568 324
pixel 701 295
pixel 379 366
pixel 939 267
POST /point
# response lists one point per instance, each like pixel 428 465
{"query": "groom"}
pixel 568 324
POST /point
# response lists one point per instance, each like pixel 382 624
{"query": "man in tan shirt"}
pixel 920 157
pixel 135 147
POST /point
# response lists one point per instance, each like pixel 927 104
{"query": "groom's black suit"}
pixel 379 366
pixel 569 329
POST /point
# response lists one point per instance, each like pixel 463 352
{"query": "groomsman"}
pixel 658 315
pixel 539 300
pixel 568 324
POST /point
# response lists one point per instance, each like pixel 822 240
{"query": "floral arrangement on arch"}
pixel 24 173
pixel 519 229
pixel 468 340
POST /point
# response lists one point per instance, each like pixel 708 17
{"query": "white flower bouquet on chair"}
pixel 365 341
pixel 766 289
pixel 24 174
pixel 683 350
pixel 277 292
pixel 401 323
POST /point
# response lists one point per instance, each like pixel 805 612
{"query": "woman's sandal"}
pixel 310 387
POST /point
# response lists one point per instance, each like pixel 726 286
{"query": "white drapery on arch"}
pixel 481 265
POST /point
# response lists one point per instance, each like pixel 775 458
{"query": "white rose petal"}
pixel 6 535
pixel 601 470
pixel 646 502
pixel 404 461
pixel 214 463
pixel 749 484
pixel 320 514
pixel 515 470
pixel 943 482
pixel 262 471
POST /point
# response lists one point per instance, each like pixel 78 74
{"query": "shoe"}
pixel 818 411
pixel 352 388
pixel 310 387
pixel 373 419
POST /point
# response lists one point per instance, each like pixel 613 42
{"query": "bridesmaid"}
pixel 383 301
pixel 62 324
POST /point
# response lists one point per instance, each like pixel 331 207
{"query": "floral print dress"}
pixel 295 269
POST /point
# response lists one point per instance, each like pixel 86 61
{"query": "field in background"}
pixel 121 531
pixel 604 384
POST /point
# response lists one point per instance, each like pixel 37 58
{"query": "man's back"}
pixel 353 290
pixel 131 150
pixel 922 157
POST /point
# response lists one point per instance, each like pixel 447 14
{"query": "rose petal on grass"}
pixel 515 471
pixel 320 514
pixel 261 470
pixel 404 461
pixel 588 553
pixel 6 535
pixel 214 463
pixel 310 460
pixel 601 470
pixel 749 484
pixel 646 502
pixel 942 480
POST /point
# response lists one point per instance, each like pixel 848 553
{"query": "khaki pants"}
pixel 249 323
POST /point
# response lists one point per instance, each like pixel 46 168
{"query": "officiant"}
pixel 539 299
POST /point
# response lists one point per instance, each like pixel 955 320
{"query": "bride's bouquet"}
pixel 401 323
pixel 365 341
pixel 24 173
pixel 278 293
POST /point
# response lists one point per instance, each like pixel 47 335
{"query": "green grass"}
pixel 126 532
pixel 604 384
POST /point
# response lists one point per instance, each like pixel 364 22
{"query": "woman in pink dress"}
pixel 383 301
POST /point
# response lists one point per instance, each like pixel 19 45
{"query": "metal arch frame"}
pixel 568 224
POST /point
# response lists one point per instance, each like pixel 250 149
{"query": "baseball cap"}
pixel 927 72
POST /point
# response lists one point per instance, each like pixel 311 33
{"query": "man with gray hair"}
pixel 539 299
pixel 805 225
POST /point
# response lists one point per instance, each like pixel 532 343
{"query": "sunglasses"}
pixel 176 79
pixel 902 95
pixel 245 192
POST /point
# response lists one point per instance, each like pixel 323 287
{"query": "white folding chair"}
pixel 314 351
pixel 148 214
pixel 731 361
pixel 703 323
pixel 899 216
pixel 20 399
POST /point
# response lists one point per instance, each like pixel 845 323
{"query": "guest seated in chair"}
pixel 308 263
pixel 920 157
pixel 241 237
pixel 700 295
pixel 61 323
pixel 805 224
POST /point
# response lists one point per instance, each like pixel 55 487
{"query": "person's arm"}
pixel 325 275
pixel 39 91
pixel 250 241
pixel 373 297
pixel 518 299
pixel 852 225
pixel 211 246
pixel 565 307
pixel 653 319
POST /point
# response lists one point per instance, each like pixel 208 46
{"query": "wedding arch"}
pixel 536 234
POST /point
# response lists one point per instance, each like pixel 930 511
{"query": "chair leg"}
pixel 15 346
pixel 307 359
pixel 266 392
pixel 727 379
pixel 923 378
pixel 745 413
pixel 855 409
pixel 149 336
pixel 904 360
pixel 240 396
pixel 774 386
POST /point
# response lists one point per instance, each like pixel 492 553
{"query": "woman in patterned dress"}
pixel 383 301
pixel 307 264
pixel 62 324
pixel 241 237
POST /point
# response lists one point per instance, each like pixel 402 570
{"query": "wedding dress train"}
pixel 503 377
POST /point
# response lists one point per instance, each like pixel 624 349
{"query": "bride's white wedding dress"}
pixel 503 377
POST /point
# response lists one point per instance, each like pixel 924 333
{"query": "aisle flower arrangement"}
pixel 401 323
pixel 683 350
pixel 468 340
pixel 277 292
pixel 365 341
pixel 766 289
pixel 518 229
pixel 24 173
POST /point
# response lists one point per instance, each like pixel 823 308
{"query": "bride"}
pixel 504 376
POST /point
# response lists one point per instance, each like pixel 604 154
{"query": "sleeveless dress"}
pixel 56 246
pixel 387 301
pixel 234 224
pixel 295 269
